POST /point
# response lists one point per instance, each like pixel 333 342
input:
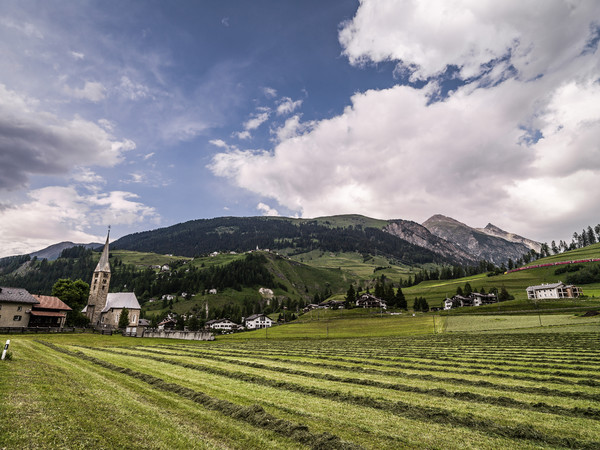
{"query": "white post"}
pixel 5 349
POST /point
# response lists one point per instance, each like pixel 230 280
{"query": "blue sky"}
pixel 142 114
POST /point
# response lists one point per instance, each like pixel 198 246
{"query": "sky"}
pixel 142 114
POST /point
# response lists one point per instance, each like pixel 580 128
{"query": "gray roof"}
pixel 256 316
pixel 121 300
pixel 16 295
pixel 545 286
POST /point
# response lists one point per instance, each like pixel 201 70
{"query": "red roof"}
pixel 48 314
pixel 48 302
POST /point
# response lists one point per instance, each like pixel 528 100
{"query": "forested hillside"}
pixel 200 237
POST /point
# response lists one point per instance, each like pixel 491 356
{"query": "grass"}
pixel 449 390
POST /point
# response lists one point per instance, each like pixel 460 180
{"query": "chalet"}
pixel 555 290
pixel 49 312
pixel 15 307
pixel 310 307
pixel 167 324
pixel 332 304
pixel 474 299
pixel 483 299
pixel 258 321
pixel 222 324
pixel 370 301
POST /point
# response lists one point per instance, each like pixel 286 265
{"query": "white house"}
pixel 222 324
pixel 554 290
pixel 370 301
pixel 258 321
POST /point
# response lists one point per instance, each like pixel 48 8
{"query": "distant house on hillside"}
pixel 15 307
pixel 474 299
pixel 370 301
pixel 258 321
pixel 555 290
pixel 222 324
pixel 49 312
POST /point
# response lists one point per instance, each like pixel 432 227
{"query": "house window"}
pixel 19 308
pixel 17 318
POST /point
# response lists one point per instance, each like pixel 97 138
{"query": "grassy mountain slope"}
pixel 286 235
pixel 516 284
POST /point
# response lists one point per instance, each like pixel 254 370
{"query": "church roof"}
pixel 121 300
pixel 103 265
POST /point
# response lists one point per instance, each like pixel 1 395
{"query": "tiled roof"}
pixel 48 302
pixel 16 295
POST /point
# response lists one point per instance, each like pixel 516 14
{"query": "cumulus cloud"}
pixel 292 127
pixel 287 106
pixel 267 210
pixel 426 37
pixel 55 214
pixel 33 141
pixel 486 152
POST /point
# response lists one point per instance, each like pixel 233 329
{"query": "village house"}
pixel 473 299
pixel 49 312
pixel 555 290
pixel 370 301
pixel 332 304
pixel 222 324
pixel 256 321
pixel 167 324
pixel 15 307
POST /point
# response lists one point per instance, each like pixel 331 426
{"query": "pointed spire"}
pixel 103 265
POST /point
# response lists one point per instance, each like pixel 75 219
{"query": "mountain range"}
pixel 439 239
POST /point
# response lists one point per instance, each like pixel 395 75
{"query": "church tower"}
pixel 99 287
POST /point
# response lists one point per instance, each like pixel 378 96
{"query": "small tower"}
pixel 99 287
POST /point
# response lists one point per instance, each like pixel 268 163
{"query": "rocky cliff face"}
pixel 479 244
pixel 419 235
pixel 493 230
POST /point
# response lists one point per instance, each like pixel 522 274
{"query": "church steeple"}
pixel 103 265
pixel 99 286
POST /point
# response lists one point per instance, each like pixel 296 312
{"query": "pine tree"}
pixel 124 318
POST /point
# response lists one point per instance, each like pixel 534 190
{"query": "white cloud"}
pixel 92 91
pixel 267 210
pixel 256 121
pixel 428 36
pixel 287 105
pixel 133 90
pixel 38 142
pixel 291 128
pixel 26 28
pixel 77 55
pixel 55 214
pixel 270 92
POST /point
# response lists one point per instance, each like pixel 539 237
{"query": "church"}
pixel 104 309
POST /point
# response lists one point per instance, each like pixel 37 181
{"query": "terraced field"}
pixel 437 391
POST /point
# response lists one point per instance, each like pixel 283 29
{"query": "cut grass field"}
pixel 450 390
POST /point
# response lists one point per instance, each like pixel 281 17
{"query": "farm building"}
pixel 258 321
pixel 15 307
pixel 49 312
pixel 554 290
pixel 370 301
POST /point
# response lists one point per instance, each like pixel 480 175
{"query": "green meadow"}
pixel 338 379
